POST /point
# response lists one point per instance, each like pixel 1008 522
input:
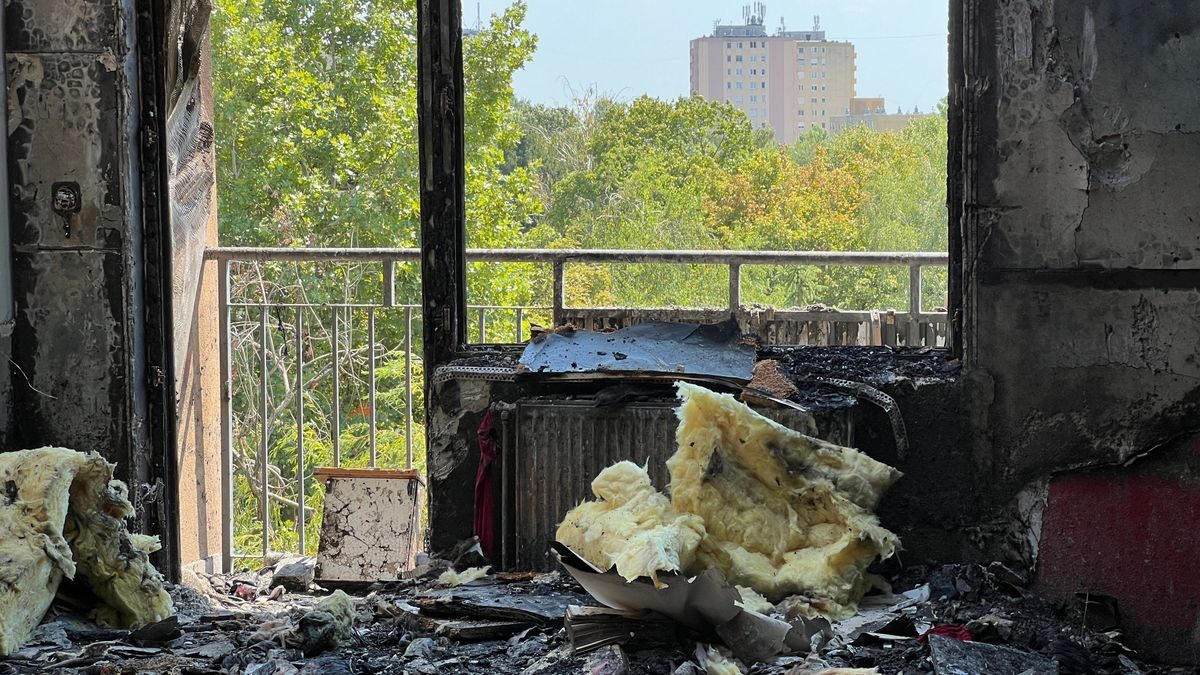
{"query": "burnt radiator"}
pixel 553 448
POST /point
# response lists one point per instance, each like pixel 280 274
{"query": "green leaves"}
pixel 693 173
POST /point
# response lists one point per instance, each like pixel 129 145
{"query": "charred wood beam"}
pixel 155 465
pixel 441 146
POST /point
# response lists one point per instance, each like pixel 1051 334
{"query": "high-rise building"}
pixel 788 82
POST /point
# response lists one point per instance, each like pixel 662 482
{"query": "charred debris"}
pixel 764 554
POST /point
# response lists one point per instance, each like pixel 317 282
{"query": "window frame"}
pixel 441 150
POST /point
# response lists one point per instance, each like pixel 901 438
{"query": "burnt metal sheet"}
pixel 560 446
pixel 654 347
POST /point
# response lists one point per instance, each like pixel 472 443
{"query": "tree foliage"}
pixel 316 136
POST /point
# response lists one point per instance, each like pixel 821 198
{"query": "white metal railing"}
pixel 256 319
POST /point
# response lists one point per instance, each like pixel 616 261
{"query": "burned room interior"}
pixel 1009 484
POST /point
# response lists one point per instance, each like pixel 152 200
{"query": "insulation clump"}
pixel 452 578
pixel 632 527
pixel 774 510
pixel 62 515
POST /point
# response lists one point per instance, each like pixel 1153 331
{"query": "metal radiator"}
pixel 553 448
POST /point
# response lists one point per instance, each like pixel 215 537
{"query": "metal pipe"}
pixel 735 286
pixel 520 321
pixel 389 283
pixel 7 308
pixel 884 258
pixel 408 390
pixel 300 517
pixel 337 391
pixel 560 291
pixel 264 476
pixel 371 380
pixel 226 417
pixel 482 326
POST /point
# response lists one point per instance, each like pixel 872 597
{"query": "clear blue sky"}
pixel 901 44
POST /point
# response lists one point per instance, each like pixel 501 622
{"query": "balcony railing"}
pixel 301 374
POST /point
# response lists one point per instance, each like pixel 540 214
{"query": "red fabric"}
pixel 948 630
pixel 485 489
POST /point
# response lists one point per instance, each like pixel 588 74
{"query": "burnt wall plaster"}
pixel 71 111
pixel 456 409
pixel 1082 240
pixel 1081 262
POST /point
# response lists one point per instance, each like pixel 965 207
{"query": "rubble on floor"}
pixel 514 623
pixel 63 516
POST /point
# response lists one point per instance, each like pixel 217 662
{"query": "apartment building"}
pixel 787 82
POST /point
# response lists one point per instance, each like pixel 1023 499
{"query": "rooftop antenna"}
pixel 782 25
pixel 816 22
pixel 478 17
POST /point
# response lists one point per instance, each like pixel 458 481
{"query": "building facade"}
pixel 788 82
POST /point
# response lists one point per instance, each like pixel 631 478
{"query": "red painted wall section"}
pixel 1132 533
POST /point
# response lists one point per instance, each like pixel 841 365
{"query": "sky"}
pixel 627 48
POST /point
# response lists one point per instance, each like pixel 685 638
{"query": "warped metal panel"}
pixel 558 446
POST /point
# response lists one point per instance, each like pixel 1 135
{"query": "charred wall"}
pixel 1081 249
pixel 72 162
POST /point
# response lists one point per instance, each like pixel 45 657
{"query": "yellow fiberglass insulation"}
pixel 631 527
pixel 773 509
pixel 783 513
pixel 62 514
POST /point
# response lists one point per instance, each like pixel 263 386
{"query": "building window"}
pixel 754 112
pixel 739 58
pixel 800 75
pixel 802 50
pixel 737 71
pixel 728 58
pixel 814 88
pixel 763 85
pixel 739 45
pixel 729 85
pixel 739 86
pixel 800 126
pixel 753 58
pixel 753 71
pixel 738 100
pixel 753 85
pixel 728 45
pixel 752 44
pixel 754 99
pixel 764 72
pixel 800 113
pixel 814 99
pixel 814 61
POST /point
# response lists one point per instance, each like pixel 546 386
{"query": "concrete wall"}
pixel 70 106
pixel 80 351
pixel 195 297
pixel 1081 249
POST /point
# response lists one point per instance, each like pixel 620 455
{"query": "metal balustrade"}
pixel 249 322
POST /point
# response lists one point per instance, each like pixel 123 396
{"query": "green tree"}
pixel 315 107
